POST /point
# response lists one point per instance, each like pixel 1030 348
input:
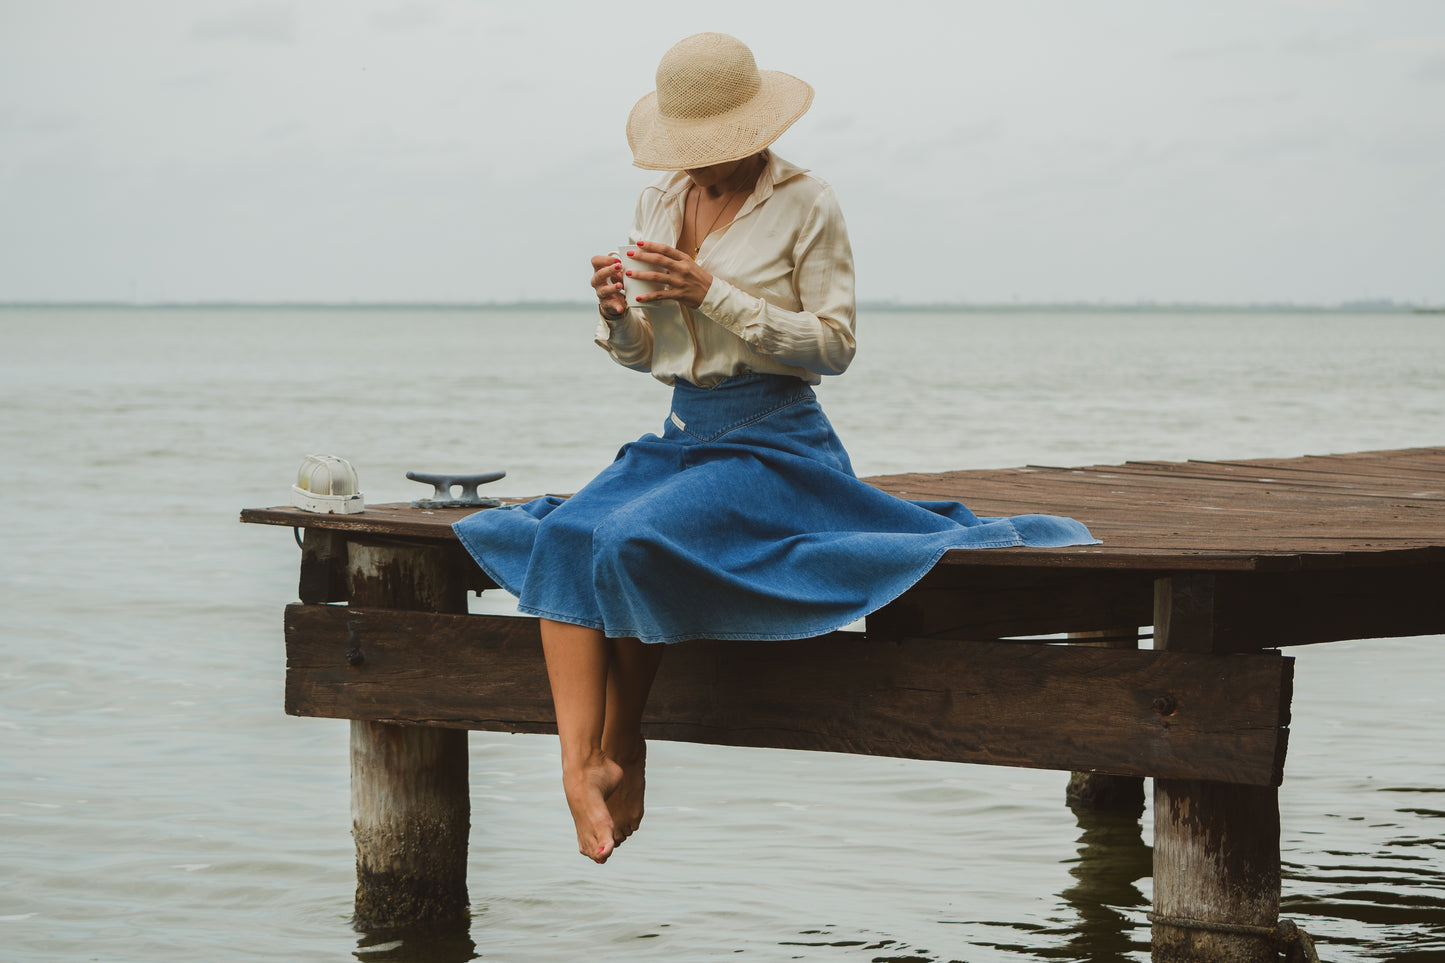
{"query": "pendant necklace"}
pixel 697 209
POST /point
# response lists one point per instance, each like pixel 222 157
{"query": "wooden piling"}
pixel 1216 844
pixel 410 800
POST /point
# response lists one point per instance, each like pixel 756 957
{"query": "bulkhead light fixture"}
pixel 327 484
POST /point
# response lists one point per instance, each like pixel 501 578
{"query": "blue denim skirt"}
pixel 742 520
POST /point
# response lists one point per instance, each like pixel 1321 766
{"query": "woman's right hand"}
pixel 607 282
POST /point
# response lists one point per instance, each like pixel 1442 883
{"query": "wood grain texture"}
pixel 1347 511
pixel 1216 859
pixel 1221 717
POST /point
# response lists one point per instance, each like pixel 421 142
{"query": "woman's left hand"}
pixel 685 279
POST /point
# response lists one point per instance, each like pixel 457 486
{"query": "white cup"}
pixel 632 287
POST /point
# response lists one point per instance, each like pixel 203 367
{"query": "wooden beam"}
pixel 999 703
pixel 1232 612
pixel 953 602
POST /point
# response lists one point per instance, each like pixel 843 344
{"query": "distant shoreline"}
pixel 1347 307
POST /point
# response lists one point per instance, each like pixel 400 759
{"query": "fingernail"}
pixel 628 273
pixel 642 244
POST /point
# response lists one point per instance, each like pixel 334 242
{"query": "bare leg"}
pixel 578 659
pixel 634 666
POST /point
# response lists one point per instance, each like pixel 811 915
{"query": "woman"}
pixel 744 519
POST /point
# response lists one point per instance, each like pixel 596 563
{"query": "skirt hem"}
pixel 812 631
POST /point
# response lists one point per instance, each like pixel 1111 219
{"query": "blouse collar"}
pixel 777 171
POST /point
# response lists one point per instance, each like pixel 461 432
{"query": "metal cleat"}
pixel 443 496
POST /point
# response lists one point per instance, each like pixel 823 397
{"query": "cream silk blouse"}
pixel 781 300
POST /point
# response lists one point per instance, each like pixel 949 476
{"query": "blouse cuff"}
pixel 626 338
pixel 720 304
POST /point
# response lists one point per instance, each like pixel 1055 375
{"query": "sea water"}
pixel 157 805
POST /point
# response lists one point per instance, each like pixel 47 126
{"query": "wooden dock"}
pixel 1228 561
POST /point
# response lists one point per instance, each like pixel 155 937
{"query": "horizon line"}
pixel 1353 305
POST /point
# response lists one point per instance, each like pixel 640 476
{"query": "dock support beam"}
pixel 1216 845
pixel 410 799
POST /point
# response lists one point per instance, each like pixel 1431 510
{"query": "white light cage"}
pixel 327 484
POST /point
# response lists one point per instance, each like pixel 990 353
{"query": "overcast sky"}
pixel 462 150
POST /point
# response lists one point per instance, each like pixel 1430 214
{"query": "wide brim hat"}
pixel 712 105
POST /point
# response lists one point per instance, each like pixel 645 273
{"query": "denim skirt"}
pixel 742 520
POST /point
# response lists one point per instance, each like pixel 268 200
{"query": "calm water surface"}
pixel 157 805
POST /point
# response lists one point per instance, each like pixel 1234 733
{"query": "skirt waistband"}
pixel 733 401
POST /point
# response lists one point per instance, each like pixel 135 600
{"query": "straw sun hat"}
pixel 712 105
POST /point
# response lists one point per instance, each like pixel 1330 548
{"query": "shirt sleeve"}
pixel 628 339
pixel 820 337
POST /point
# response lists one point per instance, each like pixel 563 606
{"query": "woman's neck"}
pixel 747 170
pixel 743 174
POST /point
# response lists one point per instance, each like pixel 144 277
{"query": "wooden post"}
pixel 1216 845
pixel 323 567
pixel 1101 791
pixel 410 800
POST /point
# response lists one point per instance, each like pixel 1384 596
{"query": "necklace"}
pixel 697 209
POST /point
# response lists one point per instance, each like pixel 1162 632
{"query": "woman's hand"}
pixel 686 281
pixel 607 282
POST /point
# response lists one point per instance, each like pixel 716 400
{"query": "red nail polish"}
pixel 642 244
pixel 628 273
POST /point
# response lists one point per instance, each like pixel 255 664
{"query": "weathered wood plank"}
pixel 1016 704
pixel 398 519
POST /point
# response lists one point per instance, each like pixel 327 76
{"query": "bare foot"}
pixel 625 804
pixel 587 789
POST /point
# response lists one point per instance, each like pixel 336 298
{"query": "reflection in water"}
pixel 1107 922
pixel 1112 858
pixel 450 943
pixel 819 938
